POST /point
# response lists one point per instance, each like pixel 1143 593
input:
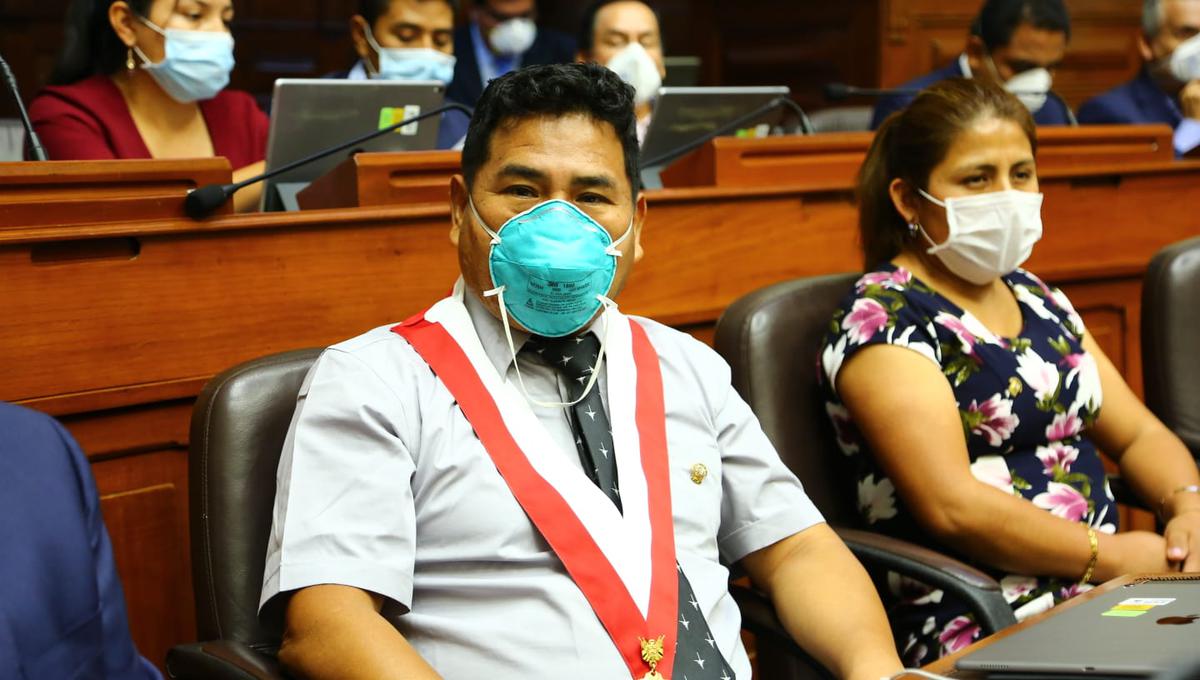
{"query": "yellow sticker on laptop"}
pixel 1134 607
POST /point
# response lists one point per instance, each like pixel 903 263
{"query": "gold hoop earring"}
pixel 130 64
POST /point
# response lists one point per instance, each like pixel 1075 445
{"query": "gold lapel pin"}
pixel 699 472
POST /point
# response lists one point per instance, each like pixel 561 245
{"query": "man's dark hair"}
pixel 587 27
pixel 999 19
pixel 371 10
pixel 554 90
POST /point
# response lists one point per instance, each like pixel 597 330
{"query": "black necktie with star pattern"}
pixel 696 653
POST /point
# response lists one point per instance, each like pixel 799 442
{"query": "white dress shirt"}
pixel 384 486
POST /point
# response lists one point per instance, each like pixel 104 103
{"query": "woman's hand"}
pixel 1131 552
pixel 1182 536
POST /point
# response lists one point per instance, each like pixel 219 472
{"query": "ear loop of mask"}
pixel 370 36
pixel 933 247
pixel 498 293
pixel 152 26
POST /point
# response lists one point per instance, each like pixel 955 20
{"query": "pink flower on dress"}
pixel 993 419
pixel 899 278
pixel 958 633
pixel 1064 426
pixel 955 325
pixel 865 319
pixel 1057 455
pixel 1067 592
pixel 1062 500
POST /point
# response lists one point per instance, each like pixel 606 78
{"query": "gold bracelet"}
pixel 1094 544
pixel 1162 504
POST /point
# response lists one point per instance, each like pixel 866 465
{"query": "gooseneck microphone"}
pixel 783 102
pixel 35 144
pixel 200 203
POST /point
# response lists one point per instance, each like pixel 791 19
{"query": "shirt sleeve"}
pixel 67 133
pixel 344 508
pixel 762 501
pixel 1187 136
pixel 879 314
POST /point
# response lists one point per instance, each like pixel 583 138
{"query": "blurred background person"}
pixel 502 36
pixel 147 79
pixel 408 40
pixel 1167 89
pixel 1017 43
pixel 624 35
pixel 966 393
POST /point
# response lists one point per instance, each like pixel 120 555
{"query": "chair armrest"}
pixel 221 660
pixel 980 592
pixel 758 617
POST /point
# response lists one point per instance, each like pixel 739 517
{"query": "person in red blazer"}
pixel 146 79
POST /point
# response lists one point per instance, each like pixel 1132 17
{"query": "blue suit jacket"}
pixel 1053 113
pixel 549 47
pixel 1141 100
pixel 62 610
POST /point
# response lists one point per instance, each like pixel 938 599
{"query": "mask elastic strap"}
pixel 612 247
pixel 933 247
pixel 494 235
pixel 152 26
pixel 608 304
pixel 373 44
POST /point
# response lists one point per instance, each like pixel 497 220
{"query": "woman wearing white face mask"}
pixel 967 393
pixel 147 79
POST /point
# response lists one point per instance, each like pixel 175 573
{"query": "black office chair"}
pixel 238 427
pixel 772 338
pixel 1170 328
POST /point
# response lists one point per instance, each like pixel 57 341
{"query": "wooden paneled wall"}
pixel 741 42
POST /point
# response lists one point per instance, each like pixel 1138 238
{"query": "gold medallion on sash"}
pixel 652 653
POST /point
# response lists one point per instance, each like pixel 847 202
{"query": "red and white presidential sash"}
pixel 623 563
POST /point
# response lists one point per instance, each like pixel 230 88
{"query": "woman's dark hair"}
pixel 90 45
pixel 554 90
pixel 912 142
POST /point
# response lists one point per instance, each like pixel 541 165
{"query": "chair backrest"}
pixel 12 140
pixel 771 339
pixel 1170 332
pixel 842 119
pixel 238 428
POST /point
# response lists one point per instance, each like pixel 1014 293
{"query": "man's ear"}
pixel 976 54
pixel 904 198
pixel 120 17
pixel 639 219
pixel 459 220
pixel 358 36
pixel 1144 48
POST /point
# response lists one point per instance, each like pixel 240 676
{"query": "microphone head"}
pixel 200 203
pixel 838 91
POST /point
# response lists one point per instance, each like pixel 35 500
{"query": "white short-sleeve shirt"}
pixel 384 486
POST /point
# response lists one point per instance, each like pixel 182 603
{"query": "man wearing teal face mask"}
pixel 522 481
pixel 408 40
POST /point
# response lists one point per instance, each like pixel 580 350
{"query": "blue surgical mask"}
pixel 552 267
pixel 410 63
pixel 196 66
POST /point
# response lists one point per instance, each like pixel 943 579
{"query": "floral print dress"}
pixel 1025 404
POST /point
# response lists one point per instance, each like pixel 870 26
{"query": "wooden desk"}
pixel 945 665
pixel 118 338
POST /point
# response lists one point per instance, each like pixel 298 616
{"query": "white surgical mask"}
pixel 990 234
pixel 513 37
pixel 1032 87
pixel 636 67
pixel 1184 62
pixel 410 63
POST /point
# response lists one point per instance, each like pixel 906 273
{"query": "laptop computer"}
pixel 308 115
pixel 1145 627
pixel 684 114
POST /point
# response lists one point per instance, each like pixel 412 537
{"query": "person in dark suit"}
pixel 408 40
pixel 1167 89
pixel 62 609
pixel 502 36
pixel 1018 43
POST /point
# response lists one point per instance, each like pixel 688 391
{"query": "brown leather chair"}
pixel 771 339
pixel 1171 337
pixel 238 427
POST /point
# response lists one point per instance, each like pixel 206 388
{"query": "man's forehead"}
pixel 1040 45
pixel 420 12
pixel 1182 13
pixel 627 16
pixel 575 144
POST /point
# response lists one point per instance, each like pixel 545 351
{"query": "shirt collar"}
pixel 491 332
pixel 358 72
